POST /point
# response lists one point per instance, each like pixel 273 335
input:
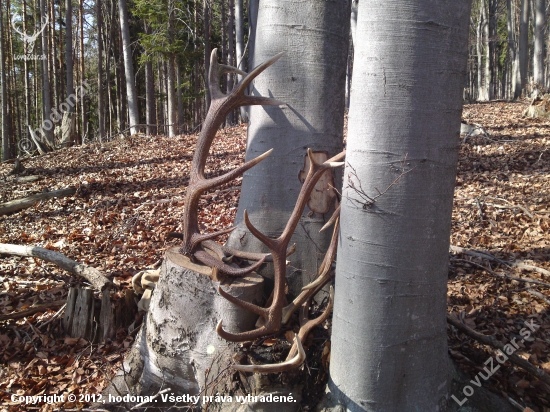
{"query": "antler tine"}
pixel 323 278
pixel 241 337
pixel 291 363
pixel 223 267
pixel 258 310
pixel 332 219
pixel 306 324
pixel 245 81
pixel 270 243
pixel 233 174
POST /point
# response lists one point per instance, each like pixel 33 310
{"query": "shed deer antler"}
pixel 221 105
pixel 274 313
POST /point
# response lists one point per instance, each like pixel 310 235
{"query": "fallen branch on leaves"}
pixel 538 295
pixel 26 202
pixel 32 310
pixel 503 276
pixel 488 256
pixel 495 343
pixel 97 279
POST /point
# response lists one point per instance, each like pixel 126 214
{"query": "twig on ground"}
pixel 492 341
pixel 503 276
pixel 32 310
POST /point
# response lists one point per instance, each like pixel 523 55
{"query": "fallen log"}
pixel 26 202
pixel 32 310
pixel 97 279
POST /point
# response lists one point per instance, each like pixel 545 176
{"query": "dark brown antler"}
pixel 291 362
pixel 273 314
pixel 220 107
pixel 297 355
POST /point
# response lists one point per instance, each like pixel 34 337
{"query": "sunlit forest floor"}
pixel 130 195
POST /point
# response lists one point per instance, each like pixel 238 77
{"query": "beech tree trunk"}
pixel 512 51
pixel 310 79
pixel 239 47
pixel 46 91
pixel 538 55
pixel 389 339
pixel 3 93
pixel 131 92
pixel 523 44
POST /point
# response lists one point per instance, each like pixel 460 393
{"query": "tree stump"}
pixel 178 346
pixel 85 319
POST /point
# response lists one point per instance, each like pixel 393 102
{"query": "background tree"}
pixel 389 340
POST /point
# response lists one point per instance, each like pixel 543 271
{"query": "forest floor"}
pixel 130 195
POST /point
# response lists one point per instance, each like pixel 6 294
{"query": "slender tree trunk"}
pixel 6 149
pixel 239 47
pixel 179 81
pixel 524 44
pixel 353 21
pixel 171 75
pixel 540 29
pixel 312 86
pixel 207 48
pixel 100 96
pixel 389 336
pixel 131 92
pixel 512 49
pixel 83 109
pixel 69 57
pixel 479 53
pixel 230 54
pixel 47 125
pixel 26 73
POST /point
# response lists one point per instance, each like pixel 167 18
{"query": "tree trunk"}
pixel 26 72
pixel 151 117
pixel 131 92
pixel 353 21
pixel 100 91
pixel 389 339
pixel 69 61
pixel 83 109
pixel 512 51
pixel 479 54
pixel 47 125
pixel 178 339
pixel 171 95
pixel 310 79
pixel 523 44
pixel 230 54
pixel 538 58
pixel 6 149
pixel 207 49
pixel 239 47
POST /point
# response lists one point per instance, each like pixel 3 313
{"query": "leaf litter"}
pixel 130 194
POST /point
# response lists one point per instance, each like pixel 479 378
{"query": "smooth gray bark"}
pixel 6 149
pixel 538 55
pixel 131 92
pixel 310 79
pixel 512 49
pixel 523 44
pixel 239 47
pixel 353 21
pixel 207 49
pixel 100 91
pixel 46 91
pixel 389 339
